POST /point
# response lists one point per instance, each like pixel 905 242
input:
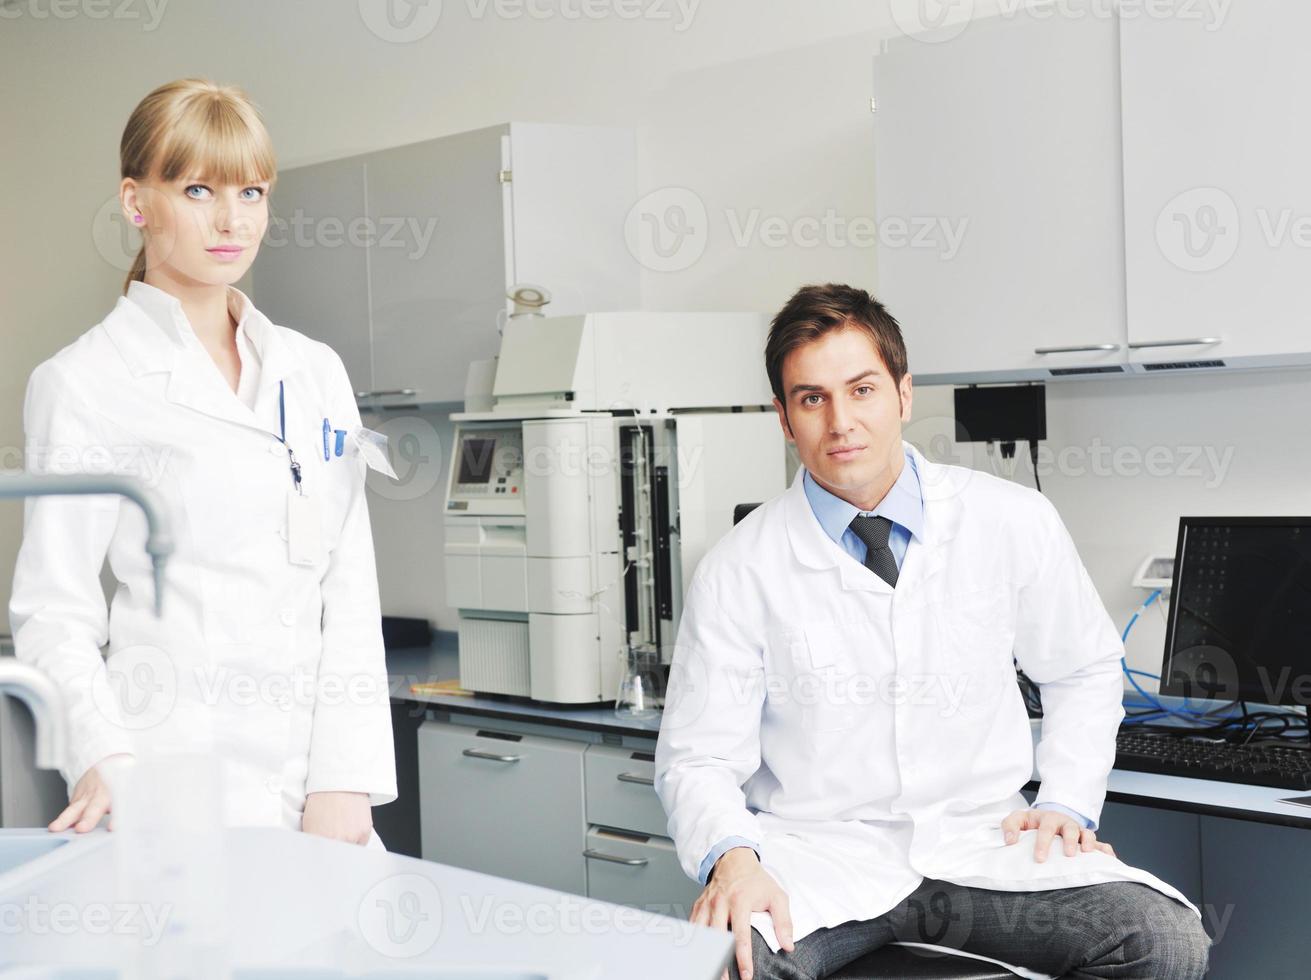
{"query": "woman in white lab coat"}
pixel 268 655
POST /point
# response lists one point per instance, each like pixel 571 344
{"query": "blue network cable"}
pixel 1190 714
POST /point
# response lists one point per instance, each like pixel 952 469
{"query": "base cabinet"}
pixel 566 813
pixel 502 803
pixel 638 870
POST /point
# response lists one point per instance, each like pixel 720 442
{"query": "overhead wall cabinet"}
pixel 1101 195
pixel 401 259
pixel 1217 193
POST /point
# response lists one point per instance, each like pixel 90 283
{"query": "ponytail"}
pixel 138 273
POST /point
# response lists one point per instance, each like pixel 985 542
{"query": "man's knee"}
pixel 768 965
pixel 1167 942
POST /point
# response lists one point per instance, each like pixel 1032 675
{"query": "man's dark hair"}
pixel 816 310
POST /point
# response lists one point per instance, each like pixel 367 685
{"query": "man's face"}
pixel 844 414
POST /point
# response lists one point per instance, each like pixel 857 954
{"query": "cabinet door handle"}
pixel 1077 349
pixel 1186 342
pixel 494 756
pixel 636 777
pixel 389 391
pixel 615 859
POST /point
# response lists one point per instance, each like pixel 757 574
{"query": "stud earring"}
pixel 137 218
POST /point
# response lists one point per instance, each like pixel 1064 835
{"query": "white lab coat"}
pixel 868 737
pixel 275 669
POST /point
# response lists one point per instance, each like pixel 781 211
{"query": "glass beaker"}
pixel 642 686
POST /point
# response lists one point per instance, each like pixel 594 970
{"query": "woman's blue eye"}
pixel 257 191
pixel 196 187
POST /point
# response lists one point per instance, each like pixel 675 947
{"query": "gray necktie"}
pixel 874 531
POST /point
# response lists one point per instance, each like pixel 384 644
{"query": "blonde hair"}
pixel 194 127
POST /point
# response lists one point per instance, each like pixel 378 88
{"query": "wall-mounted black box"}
pixel 1001 413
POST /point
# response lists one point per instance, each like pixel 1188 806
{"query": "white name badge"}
pixel 304 532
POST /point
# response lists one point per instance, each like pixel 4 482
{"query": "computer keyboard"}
pixel 1202 757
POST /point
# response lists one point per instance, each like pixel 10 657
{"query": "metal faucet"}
pixel 159 541
pixel 38 692
pixel 31 685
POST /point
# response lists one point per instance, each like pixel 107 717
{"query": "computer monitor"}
pixel 1239 627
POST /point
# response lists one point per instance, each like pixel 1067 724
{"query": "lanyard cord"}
pixel 282 425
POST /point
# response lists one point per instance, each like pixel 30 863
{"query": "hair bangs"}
pixel 218 141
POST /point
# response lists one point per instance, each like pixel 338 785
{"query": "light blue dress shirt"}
pixel 904 506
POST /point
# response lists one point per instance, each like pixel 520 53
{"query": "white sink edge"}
pixel 77 846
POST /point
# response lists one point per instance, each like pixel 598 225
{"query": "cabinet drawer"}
pixel 621 791
pixel 504 804
pixel 638 870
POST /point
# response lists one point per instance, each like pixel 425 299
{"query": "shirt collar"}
pixel 166 311
pixel 903 504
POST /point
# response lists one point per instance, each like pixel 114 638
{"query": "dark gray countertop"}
pixel 439 661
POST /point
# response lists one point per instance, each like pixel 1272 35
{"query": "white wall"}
pixel 753 110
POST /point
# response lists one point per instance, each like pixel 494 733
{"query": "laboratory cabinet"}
pixel 401 259
pixel 503 803
pixel 1217 202
pixel 568 812
pixel 1073 197
pixel 997 172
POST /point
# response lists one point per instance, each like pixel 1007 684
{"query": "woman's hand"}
pixel 338 816
pixel 91 798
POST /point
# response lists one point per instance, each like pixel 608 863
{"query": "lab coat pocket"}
pixel 335 486
pixel 811 676
pixel 978 638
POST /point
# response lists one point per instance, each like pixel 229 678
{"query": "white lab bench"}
pixel 1236 851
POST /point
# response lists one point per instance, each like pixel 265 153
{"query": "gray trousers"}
pixel 1119 929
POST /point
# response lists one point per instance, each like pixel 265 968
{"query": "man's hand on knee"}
pixel 738 886
pixel 1051 824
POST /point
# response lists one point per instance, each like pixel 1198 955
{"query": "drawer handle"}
pixel 615 859
pixel 495 757
pixel 1077 349
pixel 636 777
pixel 388 391
pixel 1186 342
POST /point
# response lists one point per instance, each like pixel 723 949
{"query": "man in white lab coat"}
pixel 844 742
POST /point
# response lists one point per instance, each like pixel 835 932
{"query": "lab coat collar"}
pixel 152 333
pixel 903 504
pixel 940 487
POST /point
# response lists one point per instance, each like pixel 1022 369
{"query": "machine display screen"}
pixel 476 460
pixel 1240 616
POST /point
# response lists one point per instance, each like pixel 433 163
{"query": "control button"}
pixel 500 479
pixel 288 617
pixel 514 489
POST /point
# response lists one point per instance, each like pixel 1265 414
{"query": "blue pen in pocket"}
pixel 326 429
pixel 341 440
